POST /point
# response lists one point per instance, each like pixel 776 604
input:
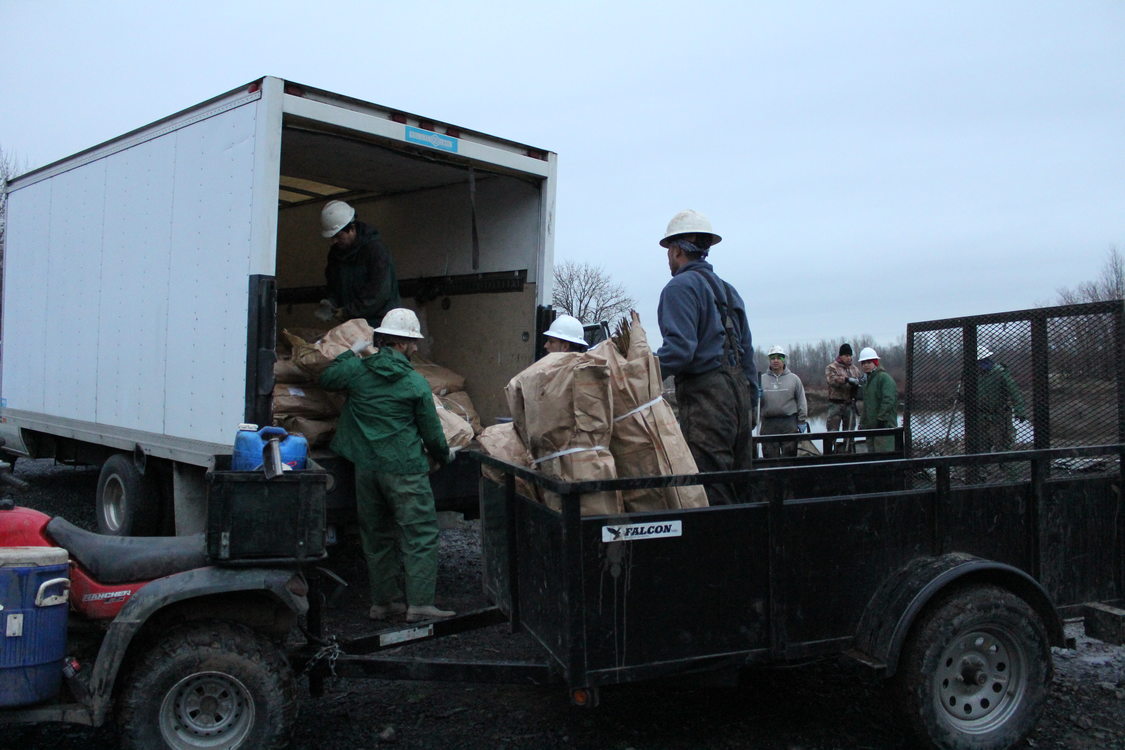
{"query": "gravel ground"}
pixel 812 707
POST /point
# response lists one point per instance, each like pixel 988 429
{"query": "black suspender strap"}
pixel 731 354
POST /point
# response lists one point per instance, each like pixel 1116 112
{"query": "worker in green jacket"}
pixel 998 397
pixel 387 427
pixel 880 400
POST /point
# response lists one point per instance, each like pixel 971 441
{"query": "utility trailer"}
pixel 952 592
pixel 947 576
pixel 146 279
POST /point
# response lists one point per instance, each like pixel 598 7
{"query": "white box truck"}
pixel 145 280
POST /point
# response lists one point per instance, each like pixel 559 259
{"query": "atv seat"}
pixel 125 559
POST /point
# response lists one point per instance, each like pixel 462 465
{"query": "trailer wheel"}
pixel 975 671
pixel 209 685
pixel 126 499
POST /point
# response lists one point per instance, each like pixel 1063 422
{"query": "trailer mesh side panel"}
pixel 1045 378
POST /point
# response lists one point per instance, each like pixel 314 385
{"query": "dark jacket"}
pixel 362 279
pixel 692 330
pixel 389 416
pixel 880 401
pixel 997 392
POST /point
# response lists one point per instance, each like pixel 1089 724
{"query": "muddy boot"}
pixel 384 611
pixel 417 613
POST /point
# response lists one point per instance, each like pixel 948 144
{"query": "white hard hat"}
pixel 335 216
pixel 566 328
pixel 867 353
pixel 689 222
pixel 983 352
pixel 775 350
pixel 401 322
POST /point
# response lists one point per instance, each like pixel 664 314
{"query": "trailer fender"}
pixel 181 587
pixel 891 612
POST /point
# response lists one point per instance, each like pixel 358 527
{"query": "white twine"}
pixel 654 402
pixel 566 452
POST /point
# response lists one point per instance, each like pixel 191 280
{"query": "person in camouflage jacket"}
pixel 843 387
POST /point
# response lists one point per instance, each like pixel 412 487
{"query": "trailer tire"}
pixel 127 500
pixel 209 685
pixel 975 671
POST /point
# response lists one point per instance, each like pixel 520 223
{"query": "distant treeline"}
pixel 809 360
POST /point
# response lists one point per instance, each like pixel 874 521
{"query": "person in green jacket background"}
pixel 880 400
pixel 998 397
pixel 386 429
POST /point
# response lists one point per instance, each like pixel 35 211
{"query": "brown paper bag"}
pixel 318 432
pixel 306 401
pixel 442 380
pixel 561 407
pixel 460 404
pixel 647 440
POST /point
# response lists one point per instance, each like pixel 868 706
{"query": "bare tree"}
pixel 588 293
pixel 1110 285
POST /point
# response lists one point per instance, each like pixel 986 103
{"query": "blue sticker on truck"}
pixel 431 139
pixel 630 532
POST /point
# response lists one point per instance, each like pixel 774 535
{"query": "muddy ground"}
pixel 808 707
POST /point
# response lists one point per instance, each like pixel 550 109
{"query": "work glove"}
pixel 803 427
pixel 853 381
pixel 359 345
pixel 325 311
pixel 452 455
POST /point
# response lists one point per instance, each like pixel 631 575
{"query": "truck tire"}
pixel 127 501
pixel 209 685
pixel 975 671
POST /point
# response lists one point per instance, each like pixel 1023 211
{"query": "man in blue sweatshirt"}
pixel 707 348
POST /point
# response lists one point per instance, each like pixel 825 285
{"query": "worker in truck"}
pixel 360 272
pixel 564 335
pixel 784 407
pixel 386 428
pixel 707 348
pixel 998 397
pixel 842 378
pixel 880 400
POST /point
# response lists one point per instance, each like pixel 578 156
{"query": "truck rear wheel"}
pixel 209 685
pixel 127 502
pixel 975 671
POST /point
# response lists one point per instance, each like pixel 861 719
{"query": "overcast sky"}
pixel 867 163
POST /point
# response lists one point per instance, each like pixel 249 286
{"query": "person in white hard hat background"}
pixel 880 400
pixel 707 347
pixel 998 397
pixel 784 407
pixel 360 272
pixel 387 427
pixel 564 335
pixel 842 378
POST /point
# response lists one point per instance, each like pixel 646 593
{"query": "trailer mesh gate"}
pixel 1052 377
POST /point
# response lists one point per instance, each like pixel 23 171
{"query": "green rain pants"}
pixel 399 530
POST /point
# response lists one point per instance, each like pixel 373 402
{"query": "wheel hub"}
pixel 981 680
pixel 207 710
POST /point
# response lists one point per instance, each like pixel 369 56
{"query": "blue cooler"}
pixel 33 606
pixel 250 441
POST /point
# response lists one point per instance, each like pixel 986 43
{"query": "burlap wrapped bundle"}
pixel 501 441
pixel 458 433
pixel 315 357
pixel 562 408
pixel 647 440
pixel 460 404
